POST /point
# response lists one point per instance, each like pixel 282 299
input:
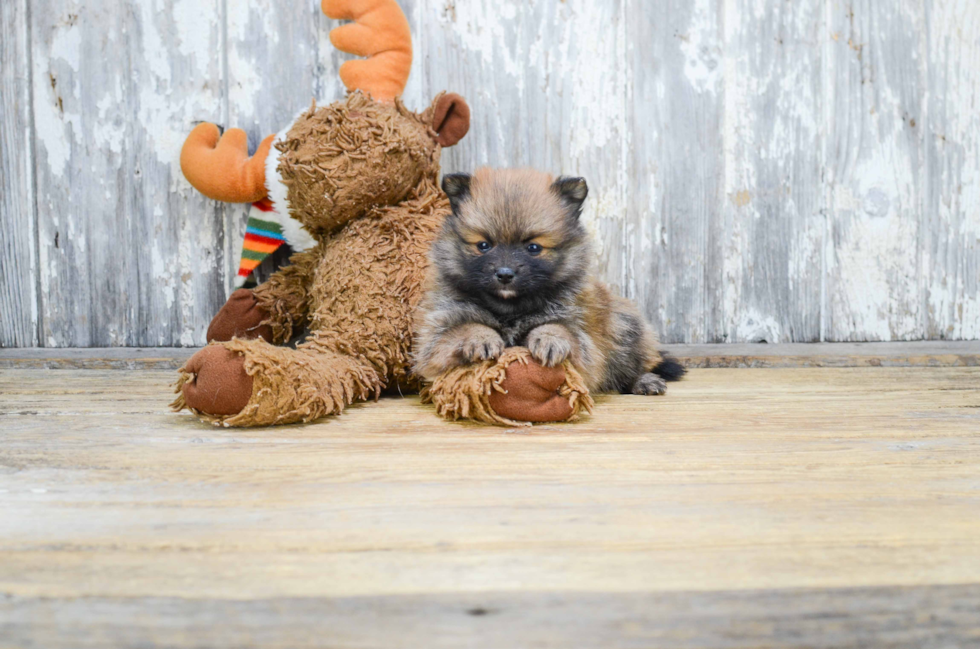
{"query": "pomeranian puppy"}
pixel 511 267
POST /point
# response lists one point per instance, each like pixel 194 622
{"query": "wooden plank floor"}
pixel 925 353
pixel 748 507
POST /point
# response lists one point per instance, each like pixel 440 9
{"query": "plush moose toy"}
pixel 353 187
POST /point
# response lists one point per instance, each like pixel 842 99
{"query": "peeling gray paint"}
pixel 759 170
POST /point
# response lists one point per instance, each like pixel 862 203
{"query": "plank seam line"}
pixel 35 253
pixel 221 210
pixel 826 56
pixel 225 82
pixel 924 234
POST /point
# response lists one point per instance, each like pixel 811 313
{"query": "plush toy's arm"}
pixel 285 295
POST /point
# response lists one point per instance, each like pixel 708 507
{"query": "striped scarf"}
pixel 263 236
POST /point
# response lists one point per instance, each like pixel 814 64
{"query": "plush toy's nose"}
pixel 505 275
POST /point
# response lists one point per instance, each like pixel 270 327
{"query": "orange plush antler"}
pixel 221 169
pixel 380 32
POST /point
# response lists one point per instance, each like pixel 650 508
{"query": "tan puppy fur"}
pixel 511 267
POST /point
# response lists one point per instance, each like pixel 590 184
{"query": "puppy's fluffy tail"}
pixel 669 369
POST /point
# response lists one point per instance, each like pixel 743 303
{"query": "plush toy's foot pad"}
pixel 531 394
pixel 215 382
pixel 240 317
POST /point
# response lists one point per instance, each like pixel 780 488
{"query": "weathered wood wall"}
pixel 760 169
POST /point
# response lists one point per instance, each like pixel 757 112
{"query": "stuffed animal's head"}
pixel 338 161
pixel 335 162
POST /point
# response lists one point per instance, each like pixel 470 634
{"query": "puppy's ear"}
pixel 457 188
pixel 572 192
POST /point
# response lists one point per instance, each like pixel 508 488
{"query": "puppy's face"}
pixel 514 239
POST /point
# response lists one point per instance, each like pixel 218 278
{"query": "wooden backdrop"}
pixel 760 169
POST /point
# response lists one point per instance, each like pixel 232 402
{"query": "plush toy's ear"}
pixel 572 192
pixel 457 188
pixel 450 119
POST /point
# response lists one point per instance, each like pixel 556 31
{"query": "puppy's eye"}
pixel 534 248
pixel 484 246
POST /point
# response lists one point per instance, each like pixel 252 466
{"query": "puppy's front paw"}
pixel 550 348
pixel 649 385
pixel 482 345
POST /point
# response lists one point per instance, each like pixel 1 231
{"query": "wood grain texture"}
pixel 674 232
pixel 950 225
pixel 804 508
pixel 874 165
pixel 916 354
pixel 845 618
pixel 759 170
pixel 129 252
pixel 18 231
pixel 958 353
pixel 773 231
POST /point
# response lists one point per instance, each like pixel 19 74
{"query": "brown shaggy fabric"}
pixel 369 281
pixel 360 297
pixel 339 159
pixel 285 296
pixel 466 392
pixel 288 385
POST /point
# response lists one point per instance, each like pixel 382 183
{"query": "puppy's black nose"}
pixel 505 275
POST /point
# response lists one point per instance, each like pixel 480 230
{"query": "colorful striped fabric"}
pixel 262 238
